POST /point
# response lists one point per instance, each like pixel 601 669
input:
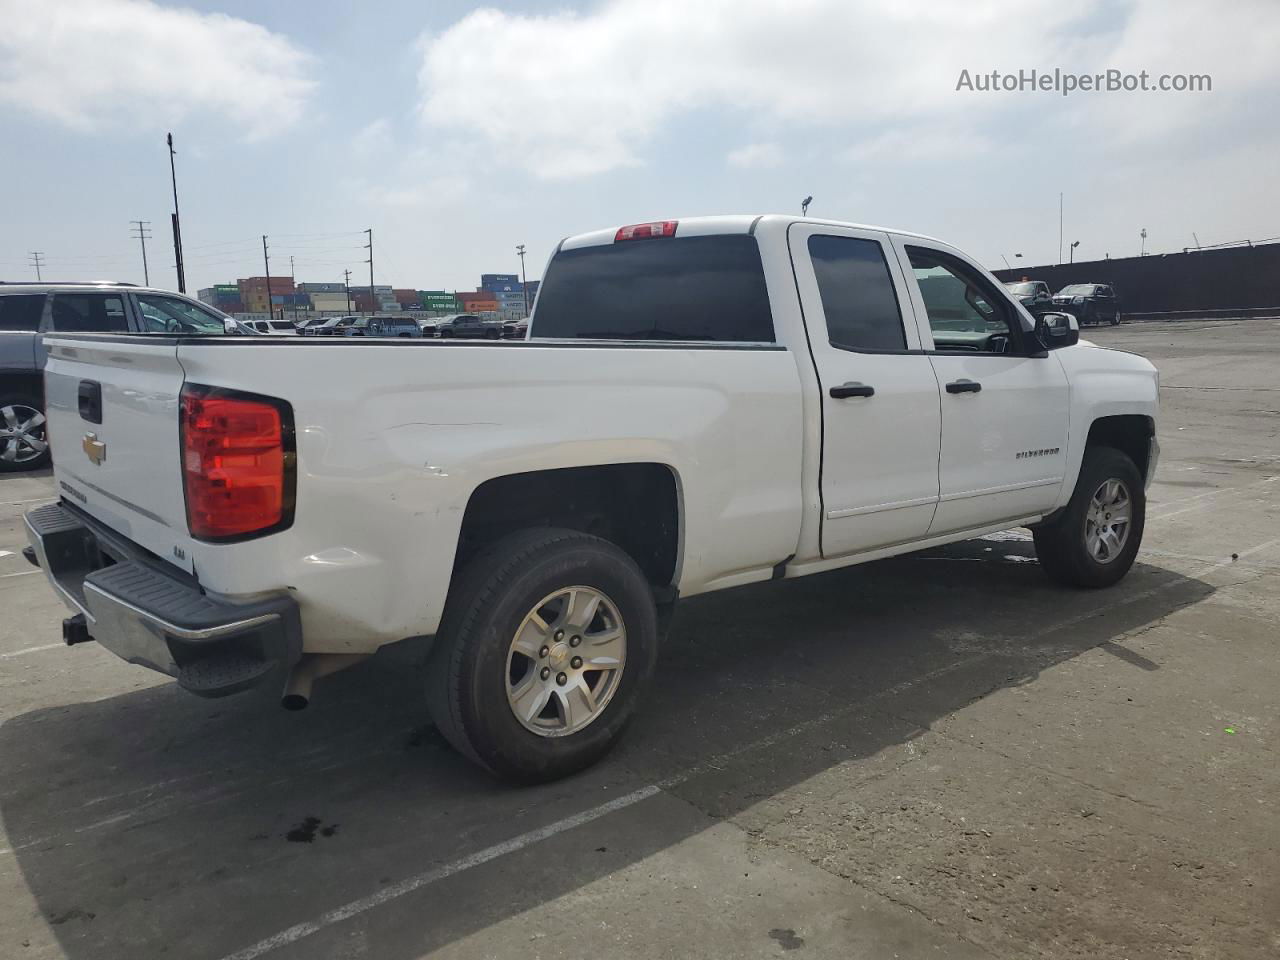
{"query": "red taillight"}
pixel 237 463
pixel 640 231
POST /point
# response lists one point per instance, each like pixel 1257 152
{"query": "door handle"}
pixel 852 389
pixel 964 386
pixel 89 401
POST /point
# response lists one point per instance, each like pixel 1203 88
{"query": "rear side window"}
pixel 672 288
pixel 89 313
pixel 21 312
pixel 858 298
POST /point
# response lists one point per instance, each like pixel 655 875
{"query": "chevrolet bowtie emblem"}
pixel 94 448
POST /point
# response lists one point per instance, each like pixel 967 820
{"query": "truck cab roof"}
pixel 745 223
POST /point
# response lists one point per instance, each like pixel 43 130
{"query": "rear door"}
pixel 1004 402
pixel 112 407
pixel 880 409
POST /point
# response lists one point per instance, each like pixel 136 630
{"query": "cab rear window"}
pixel 708 288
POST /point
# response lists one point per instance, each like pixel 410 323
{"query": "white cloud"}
pixel 579 93
pixel 89 63
pixel 755 155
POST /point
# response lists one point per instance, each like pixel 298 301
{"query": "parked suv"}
pixel 1034 295
pixel 28 310
pixel 1089 303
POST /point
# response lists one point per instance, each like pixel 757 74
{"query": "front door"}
pixel 880 407
pixel 1004 400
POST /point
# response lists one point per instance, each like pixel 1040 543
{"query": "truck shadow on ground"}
pixel 154 822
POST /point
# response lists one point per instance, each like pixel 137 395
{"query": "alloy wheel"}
pixel 22 434
pixel 565 661
pixel 1108 520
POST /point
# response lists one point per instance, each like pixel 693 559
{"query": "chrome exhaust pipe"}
pixel 313 666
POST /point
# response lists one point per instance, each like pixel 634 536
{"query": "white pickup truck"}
pixel 701 404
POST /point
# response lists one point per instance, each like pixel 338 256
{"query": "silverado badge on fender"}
pixel 94 448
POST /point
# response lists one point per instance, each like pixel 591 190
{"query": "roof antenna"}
pixel 804 206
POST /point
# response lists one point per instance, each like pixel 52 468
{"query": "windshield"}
pixel 171 315
pixel 1077 290
pixel 1022 289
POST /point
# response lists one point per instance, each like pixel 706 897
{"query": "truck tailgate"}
pixel 112 409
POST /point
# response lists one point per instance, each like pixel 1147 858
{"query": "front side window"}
pixel 857 293
pixel 161 314
pixel 963 315
pixel 89 313
pixel 21 312
pixel 708 288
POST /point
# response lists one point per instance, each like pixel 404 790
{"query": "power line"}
pixel 34 258
pixel 143 228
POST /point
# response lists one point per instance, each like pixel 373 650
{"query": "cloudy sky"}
pixel 456 132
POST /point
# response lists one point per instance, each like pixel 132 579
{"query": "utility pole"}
pixel 1059 229
pixel 144 232
pixel 372 297
pixel 346 280
pixel 177 225
pixel 524 284
pixel 1143 251
pixel 35 262
pixel 266 268
pixel 293 279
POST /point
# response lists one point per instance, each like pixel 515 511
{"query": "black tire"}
pixel 1061 547
pixel 467 671
pixel 7 444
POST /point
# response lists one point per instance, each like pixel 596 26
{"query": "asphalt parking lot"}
pixel 939 755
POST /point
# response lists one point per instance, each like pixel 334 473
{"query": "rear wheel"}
pixel 1095 540
pixel 24 444
pixel 549 637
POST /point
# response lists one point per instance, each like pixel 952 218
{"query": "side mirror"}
pixel 1055 330
pixel 230 327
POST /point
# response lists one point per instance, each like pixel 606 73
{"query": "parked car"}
pixel 471 327
pixel 1089 303
pixel 329 327
pixel 515 329
pixel 1034 295
pixel 29 310
pixel 428 327
pixel 273 327
pixel 302 325
pixel 682 427
pixel 384 327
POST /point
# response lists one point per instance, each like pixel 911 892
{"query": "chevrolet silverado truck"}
pixel 700 404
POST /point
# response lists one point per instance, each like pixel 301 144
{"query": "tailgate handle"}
pixel 90 401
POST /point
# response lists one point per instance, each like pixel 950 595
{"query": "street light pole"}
pixel 177 224
pixel 1074 244
pixel 804 206
pixel 524 284
pixel 1143 251
pixel 346 280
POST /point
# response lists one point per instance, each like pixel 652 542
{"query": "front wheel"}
pixel 1095 540
pixel 24 445
pixel 548 639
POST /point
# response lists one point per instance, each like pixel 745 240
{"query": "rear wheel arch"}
pixel 636 506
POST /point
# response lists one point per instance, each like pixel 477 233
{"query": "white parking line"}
pixel 396 890
pixel 24 652
pixel 20 573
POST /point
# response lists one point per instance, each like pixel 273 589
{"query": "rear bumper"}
pixel 156 617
